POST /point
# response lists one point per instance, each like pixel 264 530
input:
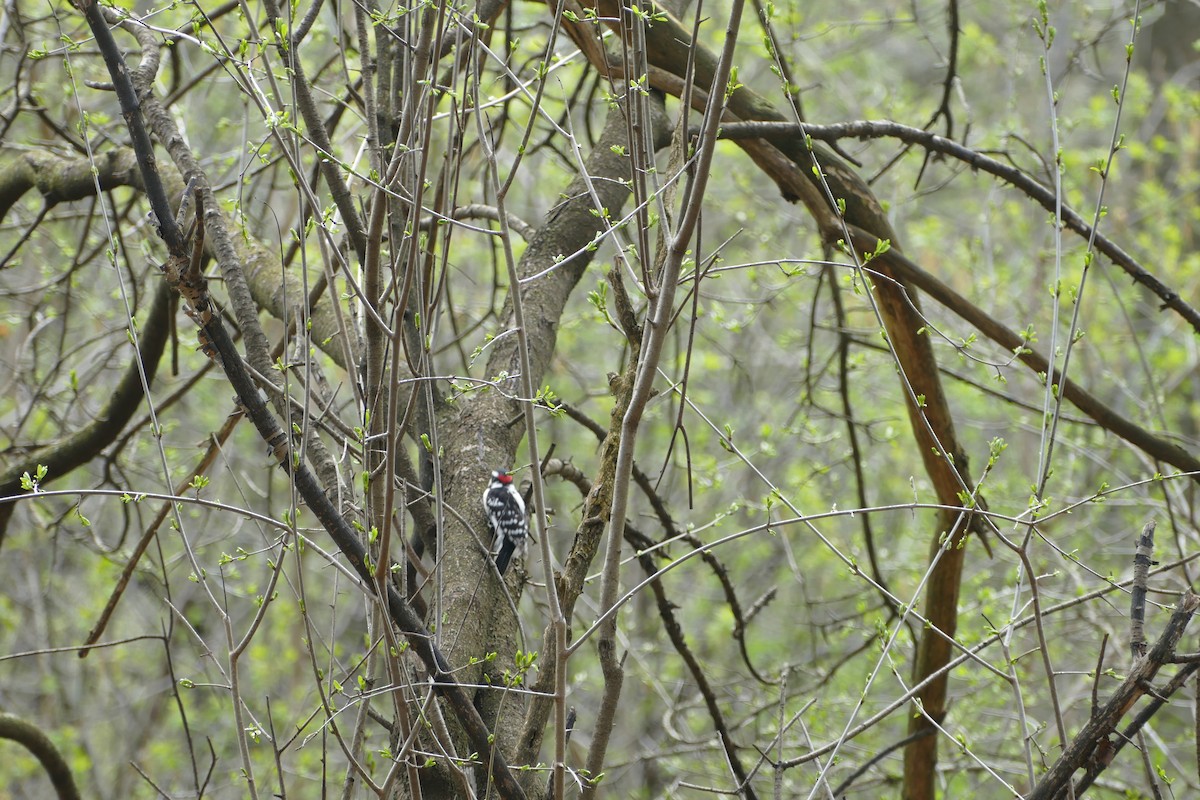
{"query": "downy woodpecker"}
pixel 505 511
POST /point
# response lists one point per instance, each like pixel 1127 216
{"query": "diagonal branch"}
pixel 1103 415
pixel 81 447
pixel 827 183
pixel 777 131
pixel 251 399
pixel 1092 743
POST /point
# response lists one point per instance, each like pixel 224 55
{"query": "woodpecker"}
pixel 505 511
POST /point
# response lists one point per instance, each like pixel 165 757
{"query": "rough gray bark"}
pixel 478 437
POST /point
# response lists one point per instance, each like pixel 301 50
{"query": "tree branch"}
pixel 251 399
pixel 61 458
pixel 1091 746
pixel 35 741
pixel 874 129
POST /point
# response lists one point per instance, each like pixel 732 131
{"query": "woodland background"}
pixel 872 543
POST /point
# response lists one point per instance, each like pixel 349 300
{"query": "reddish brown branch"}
pixel 781 131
